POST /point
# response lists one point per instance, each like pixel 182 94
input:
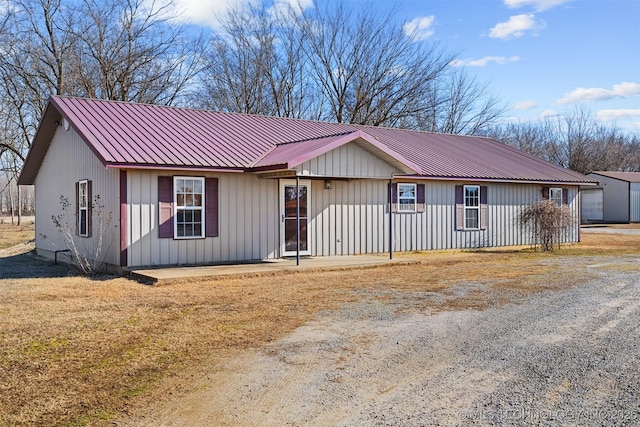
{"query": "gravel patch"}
pixel 561 357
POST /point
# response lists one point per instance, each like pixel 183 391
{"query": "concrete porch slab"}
pixel 204 272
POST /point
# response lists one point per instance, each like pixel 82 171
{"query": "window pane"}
pixel 406 197
pixel 189 195
pixel 405 190
pixel 407 205
pixel 471 196
pixel 83 222
pixel 555 194
pixel 83 195
pixel 471 218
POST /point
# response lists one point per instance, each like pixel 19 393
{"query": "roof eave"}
pixel 499 180
pixel 402 163
pixel 40 144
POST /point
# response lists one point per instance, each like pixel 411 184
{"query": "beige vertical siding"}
pixel 634 200
pixel 352 218
pixel 69 160
pixel 348 161
pixel 248 222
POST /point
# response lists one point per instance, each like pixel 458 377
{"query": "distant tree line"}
pixel 575 141
pixel 327 62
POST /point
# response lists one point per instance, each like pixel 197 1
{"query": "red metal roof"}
pixel 141 135
pixel 622 176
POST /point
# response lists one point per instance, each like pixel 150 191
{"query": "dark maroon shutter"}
pixel 459 207
pixel 545 193
pixel 565 196
pixel 165 207
pixel 78 208
pixel 393 189
pixel 89 208
pixel 420 198
pixel 484 208
pixel 211 207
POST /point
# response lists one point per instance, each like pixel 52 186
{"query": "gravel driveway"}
pixel 563 357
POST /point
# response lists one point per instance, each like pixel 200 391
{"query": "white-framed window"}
pixel 83 208
pixel 406 197
pixel 188 202
pixel 555 194
pixel 471 206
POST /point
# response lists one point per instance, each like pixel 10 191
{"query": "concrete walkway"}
pixel 205 272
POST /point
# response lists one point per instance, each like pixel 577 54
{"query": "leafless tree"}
pixel 366 68
pixel 130 50
pixel 256 66
pixel 576 141
pixel 334 63
pixel 460 104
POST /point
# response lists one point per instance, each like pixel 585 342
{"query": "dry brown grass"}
pixel 82 352
pixel 11 235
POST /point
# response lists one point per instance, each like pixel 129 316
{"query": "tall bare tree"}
pixel 257 65
pixel 576 141
pixel 368 70
pixel 131 50
pixel 459 104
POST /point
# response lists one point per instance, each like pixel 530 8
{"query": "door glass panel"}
pixel 290 235
pixel 290 218
pixel 290 201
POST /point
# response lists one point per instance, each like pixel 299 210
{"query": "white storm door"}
pixel 288 215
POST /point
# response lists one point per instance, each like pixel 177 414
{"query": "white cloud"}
pixel 420 28
pixel 516 26
pixel 282 6
pixel 622 90
pixel 525 105
pixel 625 119
pixel 483 62
pixel 538 5
pixel 547 114
pixel 612 115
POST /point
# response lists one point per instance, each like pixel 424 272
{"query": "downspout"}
pixel 391 218
pixel 297 220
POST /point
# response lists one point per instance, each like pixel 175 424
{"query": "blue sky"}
pixel 541 57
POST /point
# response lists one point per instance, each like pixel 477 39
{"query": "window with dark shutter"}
pixel 83 208
pixel 472 208
pixel 180 210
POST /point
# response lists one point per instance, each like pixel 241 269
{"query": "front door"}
pixel 288 212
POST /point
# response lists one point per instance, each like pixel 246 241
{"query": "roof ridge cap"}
pixel 279 144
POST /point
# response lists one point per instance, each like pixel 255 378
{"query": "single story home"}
pixel 616 199
pixel 185 186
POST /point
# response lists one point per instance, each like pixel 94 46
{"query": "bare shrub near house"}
pixel 89 260
pixel 547 222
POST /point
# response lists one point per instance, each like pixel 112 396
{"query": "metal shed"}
pixel 620 196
